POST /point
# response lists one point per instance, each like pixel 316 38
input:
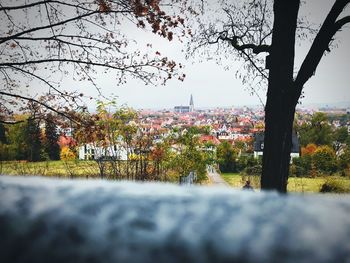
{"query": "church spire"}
pixel 191 104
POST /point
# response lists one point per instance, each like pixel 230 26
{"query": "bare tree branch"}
pixel 341 22
pixel 4 39
pixel 321 43
pixel 80 33
pixel 21 7
pixel 40 103
pixel 255 48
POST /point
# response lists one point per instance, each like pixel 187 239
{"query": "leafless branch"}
pixel 321 43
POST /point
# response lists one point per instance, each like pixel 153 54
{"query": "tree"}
pixel 226 156
pixel 109 132
pixel 3 142
pixel 250 32
pixel 42 41
pixel 324 159
pixel 16 138
pixel 51 138
pixel 33 140
pixel 344 160
pixel 308 149
pixel 190 156
pixel 318 131
pixel 2 133
pixel 159 155
pixel 340 137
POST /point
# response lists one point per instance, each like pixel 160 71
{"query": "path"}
pixel 215 177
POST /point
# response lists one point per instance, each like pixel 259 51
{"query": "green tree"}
pixel 302 165
pixel 3 141
pixel 340 137
pixel 344 160
pixel 318 131
pixel 191 156
pixel 17 141
pixel 51 138
pixel 324 160
pixel 341 134
pixel 111 129
pixel 245 161
pixel 226 156
pixel 2 133
pixel 33 140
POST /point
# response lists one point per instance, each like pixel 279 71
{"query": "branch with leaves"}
pixel 61 37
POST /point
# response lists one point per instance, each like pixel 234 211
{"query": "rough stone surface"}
pixel 55 220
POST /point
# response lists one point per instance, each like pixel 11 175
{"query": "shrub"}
pixel 67 154
pixel 255 170
pixel 301 166
pixel 226 156
pixel 335 186
pixel 324 160
pixel 308 149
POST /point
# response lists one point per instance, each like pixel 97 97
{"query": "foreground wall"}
pixel 51 220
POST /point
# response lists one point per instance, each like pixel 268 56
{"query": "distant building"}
pixel 91 152
pixel 191 104
pixel 259 145
pixel 182 109
pixel 185 109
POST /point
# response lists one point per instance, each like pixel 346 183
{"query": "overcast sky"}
pixel 212 86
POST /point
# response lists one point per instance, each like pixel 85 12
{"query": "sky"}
pixel 212 86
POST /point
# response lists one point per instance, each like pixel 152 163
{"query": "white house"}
pixel 92 152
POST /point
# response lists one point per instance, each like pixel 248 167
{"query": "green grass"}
pixel 50 168
pixel 73 169
pixel 295 184
pixel 335 185
pixel 305 185
pixel 233 179
pixel 90 169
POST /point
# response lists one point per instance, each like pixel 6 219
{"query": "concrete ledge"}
pixel 52 220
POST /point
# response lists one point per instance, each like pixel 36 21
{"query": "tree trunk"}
pixel 281 99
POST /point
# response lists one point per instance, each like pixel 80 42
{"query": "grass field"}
pixel 75 169
pixel 295 184
pixel 233 179
pixel 89 169
pixel 51 168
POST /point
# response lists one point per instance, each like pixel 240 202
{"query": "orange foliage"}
pixel 67 154
pixel 309 149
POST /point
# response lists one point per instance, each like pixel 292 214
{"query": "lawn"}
pixel 295 184
pixel 73 169
pixel 233 179
pixel 89 169
pixel 50 168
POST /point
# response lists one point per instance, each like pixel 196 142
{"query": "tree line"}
pixel 31 139
pixel 109 133
pixel 324 150
pixel 149 154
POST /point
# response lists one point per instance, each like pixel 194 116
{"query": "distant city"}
pixel 341 107
pixel 228 123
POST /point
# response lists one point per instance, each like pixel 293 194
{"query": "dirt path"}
pixel 215 178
